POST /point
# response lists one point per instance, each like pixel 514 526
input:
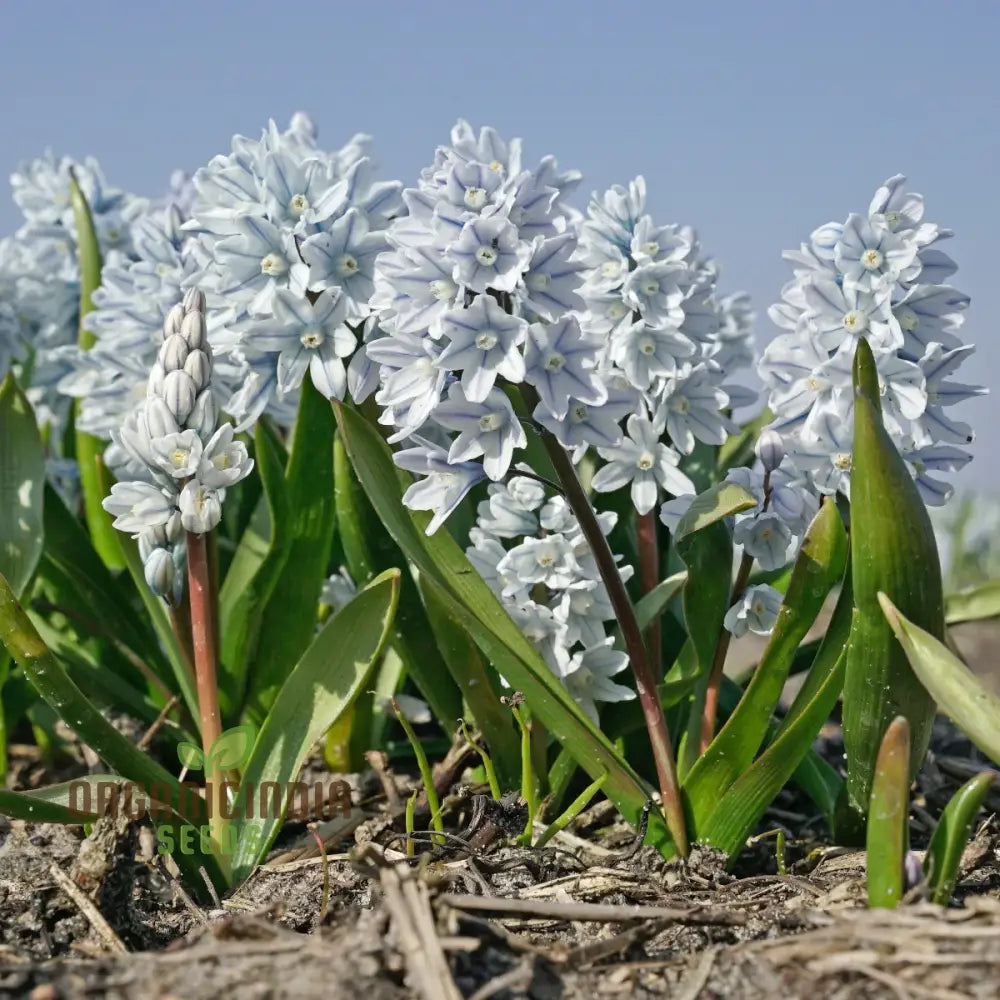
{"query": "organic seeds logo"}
pixel 230 751
pixel 239 802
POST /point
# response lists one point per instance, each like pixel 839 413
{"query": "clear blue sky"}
pixel 753 121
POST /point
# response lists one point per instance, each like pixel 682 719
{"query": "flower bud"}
pixel 199 368
pixel 173 353
pixel 204 415
pixel 173 529
pixel 179 394
pixel 193 330
pixel 770 449
pixel 154 387
pixel 158 419
pixel 193 301
pixel 158 569
pixel 172 324
pixel 151 539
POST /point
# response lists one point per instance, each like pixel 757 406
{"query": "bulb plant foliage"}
pixel 460 445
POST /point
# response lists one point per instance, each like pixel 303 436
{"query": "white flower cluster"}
pixel 181 464
pixel 40 272
pixel 532 553
pixel 478 286
pixel 668 343
pixel 131 304
pixel 880 276
pixel 287 235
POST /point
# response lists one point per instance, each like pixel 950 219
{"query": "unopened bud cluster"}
pixel 181 462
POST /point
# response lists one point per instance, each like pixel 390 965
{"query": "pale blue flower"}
pixel 643 461
pixel 138 505
pixel 343 257
pixel 561 365
pixel 483 343
pixel 588 677
pixel 489 428
pixel 756 611
pixel 551 279
pixel 445 482
pixel 306 335
pixel 488 254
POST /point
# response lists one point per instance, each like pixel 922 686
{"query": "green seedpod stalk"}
pixel 893 550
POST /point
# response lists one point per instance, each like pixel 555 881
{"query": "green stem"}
pixel 635 646
pixel 572 811
pixel 433 804
pixel 527 776
pixel 491 774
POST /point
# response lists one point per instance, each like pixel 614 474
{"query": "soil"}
pixel 591 915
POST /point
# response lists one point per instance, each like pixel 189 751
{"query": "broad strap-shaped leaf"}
pixel 369 550
pixel 68 803
pixel 739 810
pixel 22 480
pixel 959 693
pixel 51 681
pixel 974 604
pixel 470 601
pixel 254 573
pixel 888 817
pixel 289 619
pixel 893 549
pixel 819 566
pixel 951 835
pixel 95 480
pixel 315 694
pixel 472 676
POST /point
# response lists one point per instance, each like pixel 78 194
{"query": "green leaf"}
pixel 944 854
pixel 65 803
pixel 471 602
pixel 289 620
pixel 650 606
pixel 253 574
pixel 315 694
pixel 956 689
pixel 51 681
pixel 888 815
pixel 22 478
pixel 95 480
pixel 720 501
pixel 480 690
pixel 70 559
pixel 738 811
pixel 738 449
pixel 369 550
pixel 819 566
pixel 974 604
pixel 894 550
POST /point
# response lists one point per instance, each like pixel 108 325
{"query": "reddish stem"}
pixel 711 709
pixel 652 710
pixel 203 641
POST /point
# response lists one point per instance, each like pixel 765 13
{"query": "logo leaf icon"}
pixel 190 756
pixel 232 748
